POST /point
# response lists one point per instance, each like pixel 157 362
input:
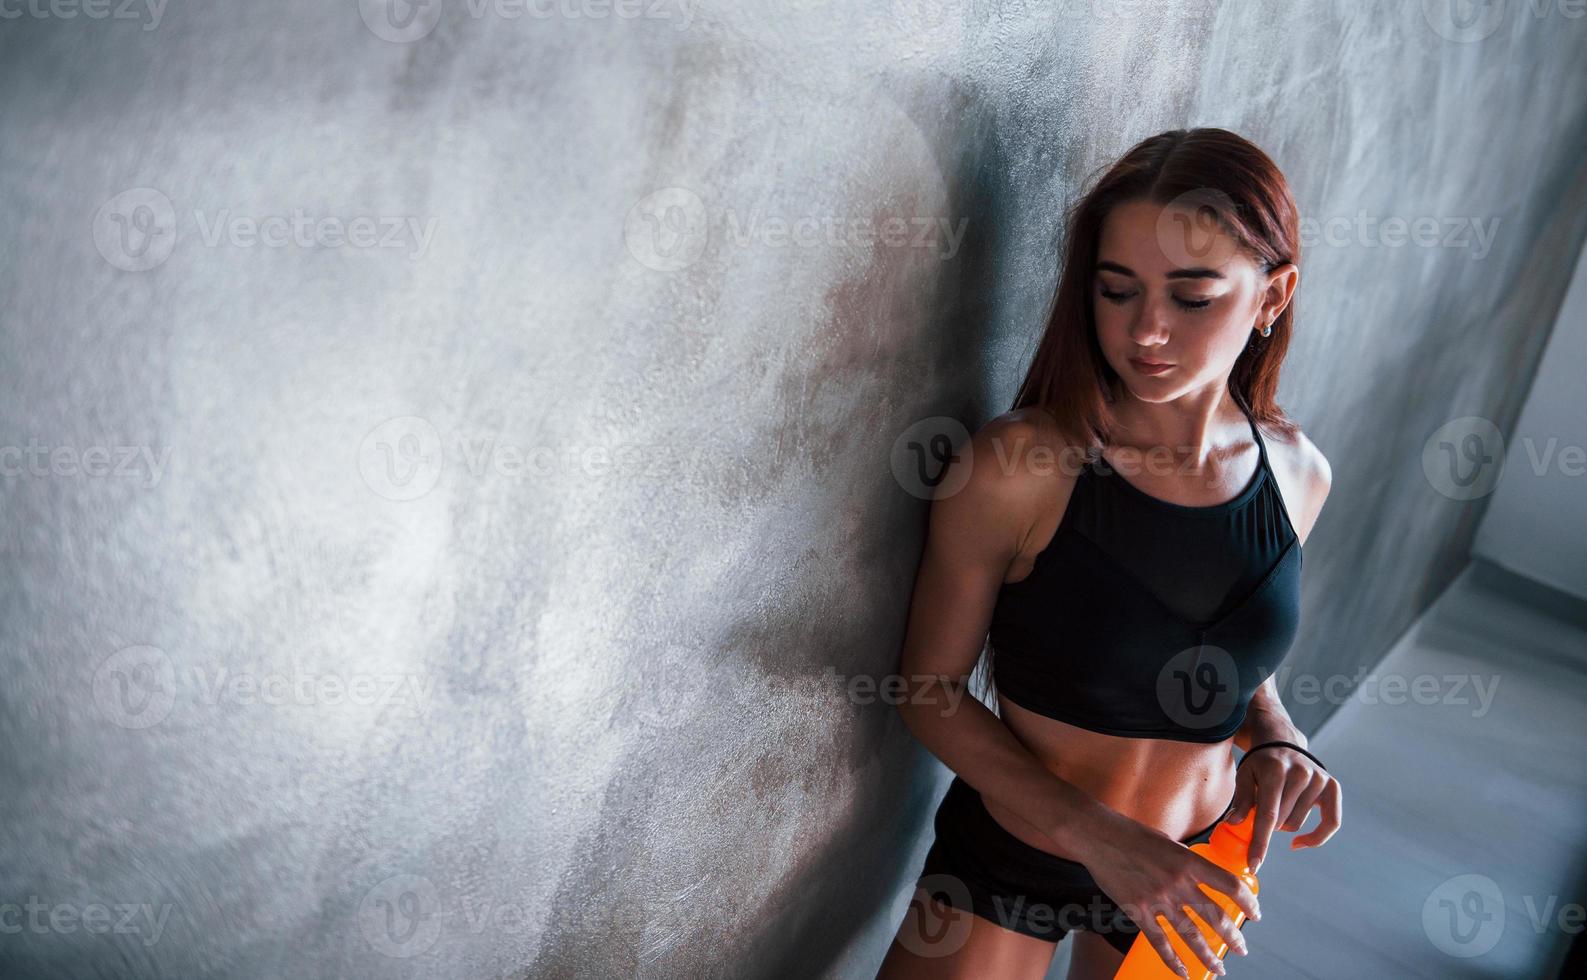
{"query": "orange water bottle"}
pixel 1229 849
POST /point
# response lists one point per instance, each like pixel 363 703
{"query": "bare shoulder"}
pixel 1015 468
pixel 1022 450
pixel 1305 476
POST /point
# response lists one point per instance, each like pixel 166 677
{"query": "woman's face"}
pixel 1173 289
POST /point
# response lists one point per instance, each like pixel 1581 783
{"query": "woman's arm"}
pixel 979 520
pixel 1283 785
pixel 1268 720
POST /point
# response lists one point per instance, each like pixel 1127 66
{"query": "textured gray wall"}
pixel 406 592
pixel 1536 523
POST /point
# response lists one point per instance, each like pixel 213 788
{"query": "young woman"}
pixel 1129 538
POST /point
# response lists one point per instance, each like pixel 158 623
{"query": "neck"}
pixel 1196 426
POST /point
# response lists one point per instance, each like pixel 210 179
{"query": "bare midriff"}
pixel 1176 787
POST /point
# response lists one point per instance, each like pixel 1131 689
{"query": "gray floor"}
pixel 1439 787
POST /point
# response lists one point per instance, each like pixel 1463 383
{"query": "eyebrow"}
pixel 1200 272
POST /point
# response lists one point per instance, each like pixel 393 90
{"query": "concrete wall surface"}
pixel 1536 523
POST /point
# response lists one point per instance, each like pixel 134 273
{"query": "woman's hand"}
pixel 1284 785
pixel 1147 874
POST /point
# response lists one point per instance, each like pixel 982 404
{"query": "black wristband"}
pixel 1279 745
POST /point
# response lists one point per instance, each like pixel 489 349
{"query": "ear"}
pixel 1278 289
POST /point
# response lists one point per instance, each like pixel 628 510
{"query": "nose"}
pixel 1150 328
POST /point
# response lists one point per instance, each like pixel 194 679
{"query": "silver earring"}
pixel 1267 330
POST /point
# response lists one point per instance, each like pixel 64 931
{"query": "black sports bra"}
pixel 1151 619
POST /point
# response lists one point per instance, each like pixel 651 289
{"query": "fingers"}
pixel 1332 815
pixel 1267 796
pixel 1195 921
pixel 1192 937
pixel 1303 804
pixel 1232 885
pixel 1221 923
pixel 1159 939
pixel 1296 780
pixel 1244 795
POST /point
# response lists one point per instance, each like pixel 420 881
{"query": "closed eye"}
pixel 1184 304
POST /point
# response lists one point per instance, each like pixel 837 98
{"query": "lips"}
pixel 1149 367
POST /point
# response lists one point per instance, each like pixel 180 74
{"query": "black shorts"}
pixel 976 865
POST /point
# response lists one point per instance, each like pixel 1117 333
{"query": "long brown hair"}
pixel 1226 178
